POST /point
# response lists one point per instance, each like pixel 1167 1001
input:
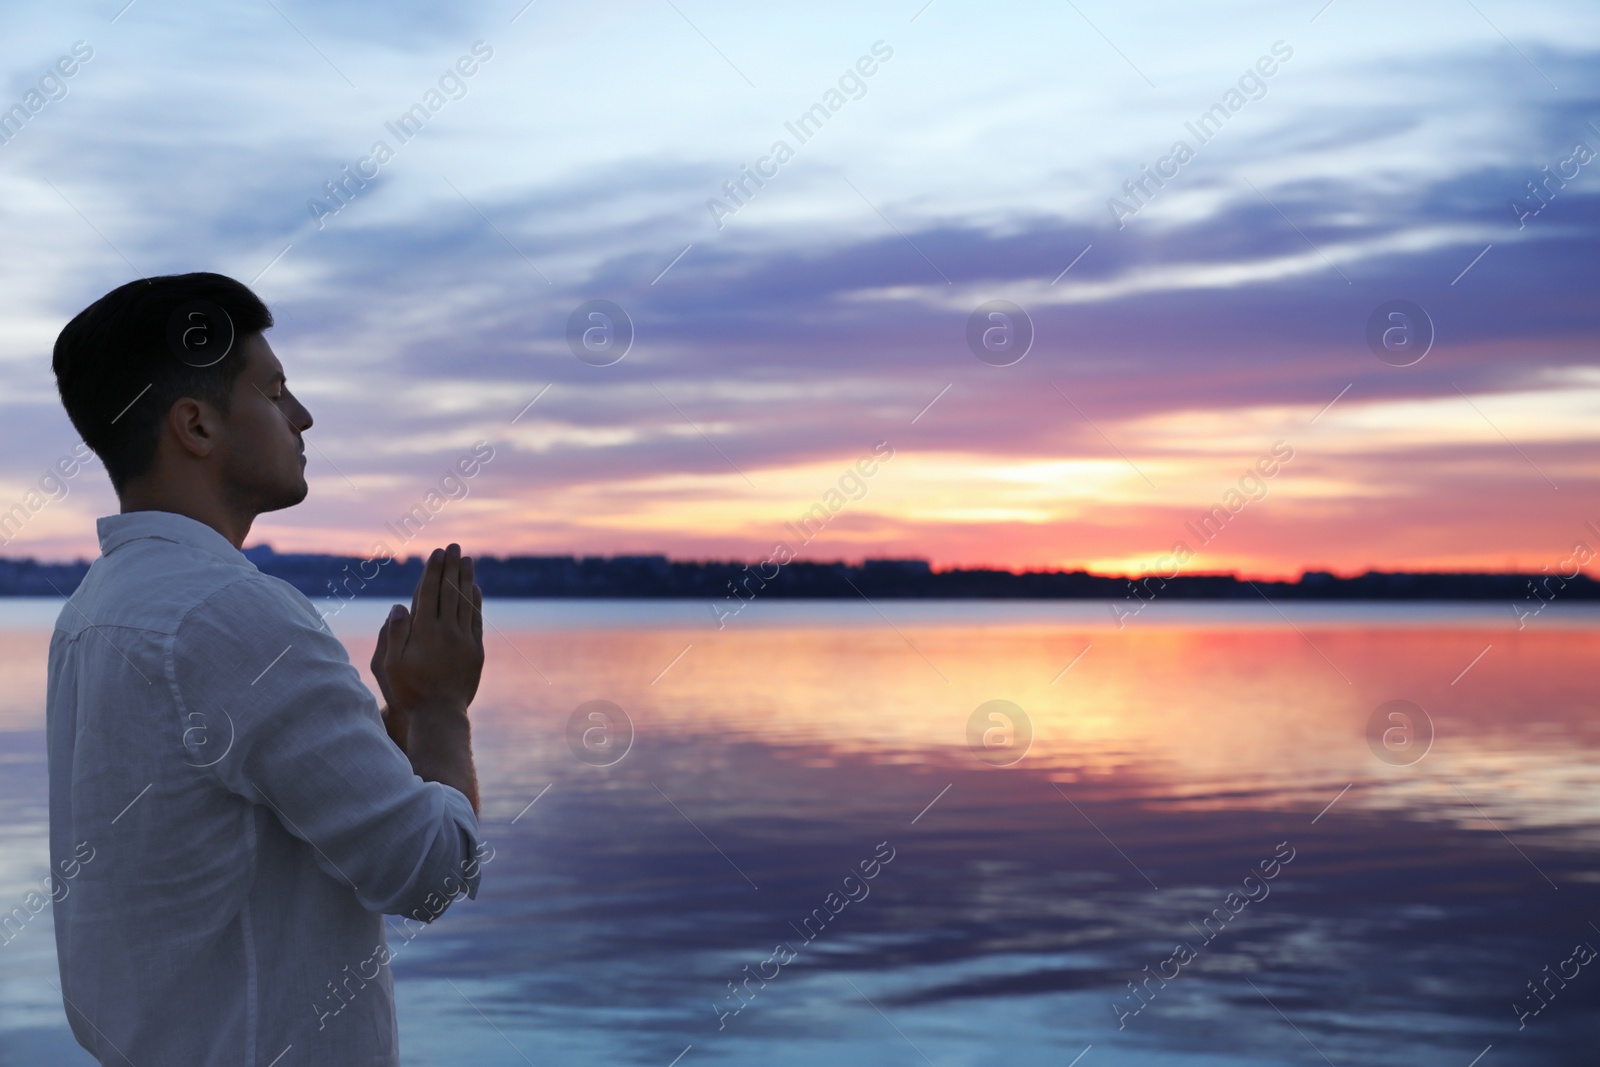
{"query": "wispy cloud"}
pixel 426 313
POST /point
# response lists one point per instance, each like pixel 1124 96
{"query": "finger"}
pixel 416 592
pixel 468 609
pixel 428 588
pixel 477 616
pixel 450 587
pixel 397 632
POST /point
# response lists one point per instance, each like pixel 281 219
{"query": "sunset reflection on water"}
pixel 1173 757
pixel 1200 705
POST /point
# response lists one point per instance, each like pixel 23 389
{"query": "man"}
pixel 233 810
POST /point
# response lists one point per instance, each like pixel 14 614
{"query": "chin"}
pixel 286 497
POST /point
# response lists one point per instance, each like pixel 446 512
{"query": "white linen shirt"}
pixel 229 821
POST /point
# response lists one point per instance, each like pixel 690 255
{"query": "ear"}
pixel 194 426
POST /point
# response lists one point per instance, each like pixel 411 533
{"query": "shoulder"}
pixel 256 599
pixel 150 584
pixel 254 642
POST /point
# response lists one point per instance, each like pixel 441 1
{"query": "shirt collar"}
pixel 117 530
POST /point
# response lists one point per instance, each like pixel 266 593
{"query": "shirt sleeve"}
pixel 257 670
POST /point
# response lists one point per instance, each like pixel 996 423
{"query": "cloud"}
pixel 433 308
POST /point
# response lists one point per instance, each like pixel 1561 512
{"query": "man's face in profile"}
pixel 263 454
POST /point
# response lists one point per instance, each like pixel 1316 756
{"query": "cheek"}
pixel 275 422
pixel 265 428
pixel 267 434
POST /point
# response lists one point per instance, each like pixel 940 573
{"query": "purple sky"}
pixel 776 340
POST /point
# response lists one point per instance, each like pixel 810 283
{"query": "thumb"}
pixel 380 653
pixel 477 615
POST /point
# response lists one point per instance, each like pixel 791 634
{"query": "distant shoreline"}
pixel 343 578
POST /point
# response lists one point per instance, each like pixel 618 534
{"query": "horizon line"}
pixel 1236 575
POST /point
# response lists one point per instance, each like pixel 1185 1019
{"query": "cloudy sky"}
pixel 1177 336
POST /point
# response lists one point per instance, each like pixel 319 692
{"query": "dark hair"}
pixel 124 360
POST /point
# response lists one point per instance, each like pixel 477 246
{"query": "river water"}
pixel 812 837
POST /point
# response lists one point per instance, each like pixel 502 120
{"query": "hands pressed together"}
pixel 428 663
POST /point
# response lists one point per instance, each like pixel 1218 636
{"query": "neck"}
pixel 232 523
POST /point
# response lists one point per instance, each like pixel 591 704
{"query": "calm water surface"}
pixel 1411 903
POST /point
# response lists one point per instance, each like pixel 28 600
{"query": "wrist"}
pixel 437 730
pixel 439 710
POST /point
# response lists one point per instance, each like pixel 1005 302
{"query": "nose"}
pixel 302 417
